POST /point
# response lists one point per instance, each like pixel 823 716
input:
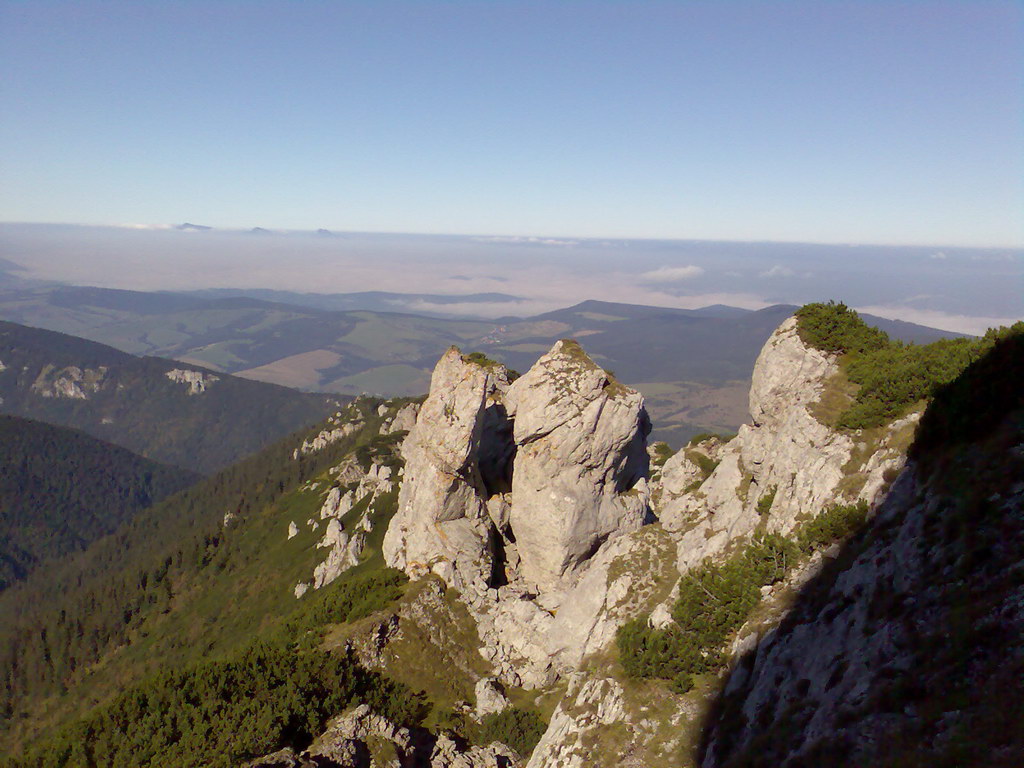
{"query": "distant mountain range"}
pixel 693 365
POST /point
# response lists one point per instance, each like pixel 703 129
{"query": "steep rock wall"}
pixel 909 648
pixel 442 523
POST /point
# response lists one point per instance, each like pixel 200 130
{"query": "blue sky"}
pixel 872 122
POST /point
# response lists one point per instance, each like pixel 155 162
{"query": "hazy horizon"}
pixel 958 289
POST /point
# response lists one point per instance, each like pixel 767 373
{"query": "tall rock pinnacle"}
pixel 523 482
pixel 581 462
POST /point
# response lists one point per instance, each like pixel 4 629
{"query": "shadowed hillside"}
pixel 907 649
pixel 61 489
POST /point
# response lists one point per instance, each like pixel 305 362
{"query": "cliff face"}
pixel 782 469
pixel 511 490
pixel 519 482
pixel 442 524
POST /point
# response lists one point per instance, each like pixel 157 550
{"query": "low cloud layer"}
pixel 671 274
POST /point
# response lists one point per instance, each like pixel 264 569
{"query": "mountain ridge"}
pixel 177 413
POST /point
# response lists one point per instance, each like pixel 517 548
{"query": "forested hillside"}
pixel 61 489
pixel 167 411
pixel 183 584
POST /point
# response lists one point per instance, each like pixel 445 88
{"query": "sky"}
pixel 812 122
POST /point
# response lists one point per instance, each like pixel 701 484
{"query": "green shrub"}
pixel 662 453
pixel 520 729
pixel 702 436
pixel 973 403
pixel 899 375
pixel 485 362
pixel 221 713
pixel 348 599
pixel 764 504
pixel 714 601
pixel 831 525
pixel 890 375
pixel 706 464
pixel 835 327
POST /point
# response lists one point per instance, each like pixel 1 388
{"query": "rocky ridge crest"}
pixel 527 502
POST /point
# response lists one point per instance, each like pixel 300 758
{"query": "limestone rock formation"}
pixel 72 382
pixel 510 490
pixel 403 420
pixel 364 739
pixel 787 464
pixel 490 697
pixel 529 478
pixel 588 704
pixel 580 472
pixel 345 546
pixel 442 523
pixel 196 381
pixel 905 650
pixel 688 468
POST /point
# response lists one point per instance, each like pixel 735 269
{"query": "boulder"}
pixel 490 697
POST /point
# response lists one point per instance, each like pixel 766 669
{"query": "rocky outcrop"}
pixel 339 426
pixel 364 739
pixel 523 480
pixel 196 381
pixel 580 472
pixel 345 547
pixel 599 723
pixel 442 523
pixel 588 704
pixel 909 647
pixel 626 579
pixel 71 382
pixel 686 469
pixel 403 420
pixel 344 554
pixel 786 465
pixel 490 697
pixel 511 490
